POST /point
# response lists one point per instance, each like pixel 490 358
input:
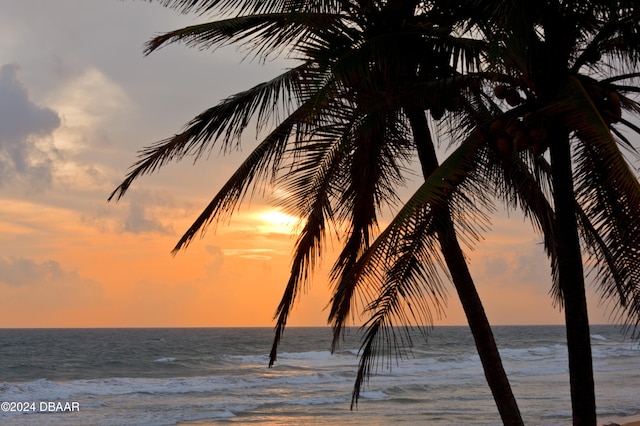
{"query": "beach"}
pixel 627 421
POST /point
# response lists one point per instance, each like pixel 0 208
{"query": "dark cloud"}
pixel 21 121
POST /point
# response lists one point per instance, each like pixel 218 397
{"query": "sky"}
pixel 78 99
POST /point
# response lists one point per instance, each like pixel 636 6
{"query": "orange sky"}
pixel 85 275
pixel 78 100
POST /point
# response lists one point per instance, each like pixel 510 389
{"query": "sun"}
pixel 275 221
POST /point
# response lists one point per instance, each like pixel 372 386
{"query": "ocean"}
pixel 218 376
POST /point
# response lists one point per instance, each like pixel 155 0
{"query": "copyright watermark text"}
pixel 40 406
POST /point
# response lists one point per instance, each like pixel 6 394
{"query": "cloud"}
pixel 518 264
pixel 17 272
pixel 149 211
pixel 256 254
pixel 139 220
pixel 22 123
pixel 47 282
pixel 92 106
pixel 217 255
pixel 43 291
pixel 144 212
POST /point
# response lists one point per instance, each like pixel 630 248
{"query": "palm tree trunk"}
pixel 571 281
pixel 471 303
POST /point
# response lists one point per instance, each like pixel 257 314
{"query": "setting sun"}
pixel 277 222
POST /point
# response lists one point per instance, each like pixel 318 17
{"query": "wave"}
pixel 322 355
pixel 37 390
pixel 307 359
pixel 374 394
pixel 45 390
pixel 165 359
pixel 315 369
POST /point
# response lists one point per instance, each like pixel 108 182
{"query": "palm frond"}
pixel 380 147
pixel 619 77
pixel 400 273
pixel 264 34
pixel 405 291
pixel 311 188
pixel 614 32
pixel 613 213
pixel 250 6
pixel 609 194
pixel 226 122
pixel 309 247
pixel 624 42
pixel 631 148
pixel 359 204
pixel 261 163
pixel 526 185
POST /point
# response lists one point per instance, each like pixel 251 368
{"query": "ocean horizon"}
pixel 218 375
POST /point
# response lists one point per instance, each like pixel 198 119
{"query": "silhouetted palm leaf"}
pixel 609 193
pixel 228 120
pixel 251 6
pixel 263 34
pixel 400 274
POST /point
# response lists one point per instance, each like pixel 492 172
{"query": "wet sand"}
pixel 623 421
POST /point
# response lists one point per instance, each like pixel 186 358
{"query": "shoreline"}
pixel 623 421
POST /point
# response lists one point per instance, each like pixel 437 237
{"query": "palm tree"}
pixel 352 123
pixel 561 69
pixel 554 49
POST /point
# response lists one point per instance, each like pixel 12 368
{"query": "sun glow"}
pixel 274 221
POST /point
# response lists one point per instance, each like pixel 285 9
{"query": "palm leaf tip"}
pixel 121 189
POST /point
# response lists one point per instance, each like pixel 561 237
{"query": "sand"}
pixel 624 421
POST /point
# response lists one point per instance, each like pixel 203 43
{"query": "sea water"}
pixel 203 376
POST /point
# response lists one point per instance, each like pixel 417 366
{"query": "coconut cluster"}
pixel 531 130
pixel 521 133
pixel 509 94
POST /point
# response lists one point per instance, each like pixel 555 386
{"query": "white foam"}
pixel 43 390
pixel 248 359
pixel 374 395
pixel 166 359
pixel 47 390
pixel 316 359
